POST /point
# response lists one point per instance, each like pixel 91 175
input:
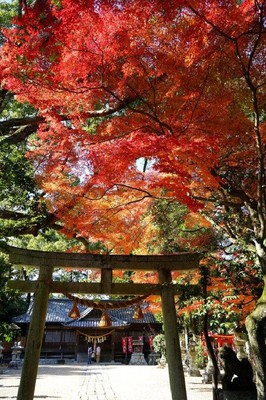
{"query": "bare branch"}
pixel 16 122
pixel 19 135
pixel 9 214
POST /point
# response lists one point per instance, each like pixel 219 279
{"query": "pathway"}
pixel 101 382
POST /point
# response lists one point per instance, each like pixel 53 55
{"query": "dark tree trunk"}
pixel 211 354
pixel 210 350
pixel 256 324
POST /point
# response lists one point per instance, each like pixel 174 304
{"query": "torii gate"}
pixel 47 261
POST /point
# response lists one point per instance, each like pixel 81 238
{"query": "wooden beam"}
pixel 180 261
pixel 97 288
pixel 106 280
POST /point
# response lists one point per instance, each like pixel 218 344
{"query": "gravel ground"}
pixel 101 382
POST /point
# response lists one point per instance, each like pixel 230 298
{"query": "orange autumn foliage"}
pixel 171 82
pixel 164 81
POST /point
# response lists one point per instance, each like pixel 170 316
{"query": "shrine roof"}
pixel 58 310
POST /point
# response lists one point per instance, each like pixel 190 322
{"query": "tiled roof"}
pixel 90 318
pixel 58 310
pixel 127 313
pixel 92 323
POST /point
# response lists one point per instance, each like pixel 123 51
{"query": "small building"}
pixel 65 337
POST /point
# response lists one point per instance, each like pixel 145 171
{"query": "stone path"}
pixel 101 382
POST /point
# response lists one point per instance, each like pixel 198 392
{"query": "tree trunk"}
pixel 255 324
pixel 211 354
pixel 210 350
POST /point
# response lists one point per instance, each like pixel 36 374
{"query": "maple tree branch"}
pixel 152 116
pixel 246 70
pixel 123 134
pixel 127 203
pixel 196 12
pixel 16 122
pixel 117 185
pixel 19 135
pixel 30 229
pixel 109 111
pixel 100 197
pixel 105 112
pixel 222 202
pixel 138 189
pixel 226 227
pixel 257 209
pixel 216 28
pixel 132 187
pixel 232 191
pixel 191 230
pixel 24 224
pixel 9 214
pixel 256 44
pixel 202 86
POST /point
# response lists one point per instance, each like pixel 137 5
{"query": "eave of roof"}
pixel 58 310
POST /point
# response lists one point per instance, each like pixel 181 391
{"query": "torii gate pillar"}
pixel 174 359
pixel 35 336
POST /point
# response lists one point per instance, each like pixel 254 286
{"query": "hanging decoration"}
pixel 98 338
pixel 105 320
pixel 129 344
pixel 74 312
pixel 124 344
pixel 103 304
pixel 138 314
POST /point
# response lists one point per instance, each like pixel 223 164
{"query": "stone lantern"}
pixel 137 357
pixel 16 352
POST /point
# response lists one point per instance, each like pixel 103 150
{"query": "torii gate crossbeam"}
pixel 47 261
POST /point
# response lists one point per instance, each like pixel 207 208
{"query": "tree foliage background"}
pixel 179 85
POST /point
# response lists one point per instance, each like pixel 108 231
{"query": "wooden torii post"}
pixel 47 261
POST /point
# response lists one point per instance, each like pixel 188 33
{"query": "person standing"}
pixel 98 354
pixel 89 354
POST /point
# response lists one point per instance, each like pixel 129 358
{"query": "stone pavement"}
pixel 101 382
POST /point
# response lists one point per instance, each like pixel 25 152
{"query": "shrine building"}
pixel 68 338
